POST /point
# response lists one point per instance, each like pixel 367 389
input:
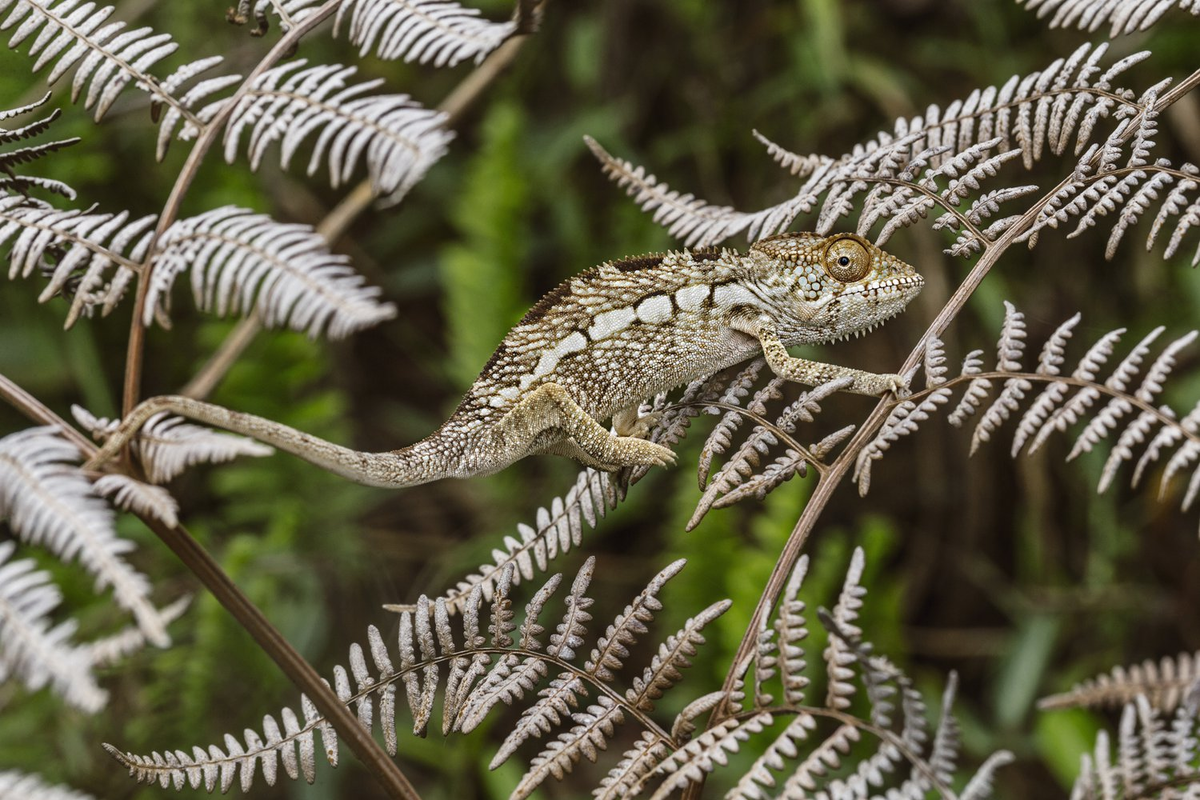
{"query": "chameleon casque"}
pixel 601 343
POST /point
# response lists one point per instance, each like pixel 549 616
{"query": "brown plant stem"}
pixel 137 331
pixel 206 568
pixel 343 215
pixel 838 470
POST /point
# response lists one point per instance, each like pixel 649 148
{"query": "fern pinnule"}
pixel 759 781
pixel 108 650
pixel 558 528
pixel 818 763
pixel 512 677
pixel 10 181
pixel 1062 417
pixel 440 32
pixel 943 752
pixel 1047 109
pixel 837 656
pixel 740 476
pixel 240 261
pixel 721 436
pixel 706 752
pixel 82 246
pixel 1110 415
pixel 793 630
pixel 34 650
pixel 905 418
pixel 398 139
pixel 167 445
pixel 14 783
pixel 1050 362
pixel 630 773
pixel 144 499
pixel 1151 759
pixel 1146 430
pixel 1009 352
pixel 1164 683
pixel 612 648
pixel 1124 16
pixel 48 501
pixel 105 56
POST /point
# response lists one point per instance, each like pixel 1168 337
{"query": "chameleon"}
pixel 598 345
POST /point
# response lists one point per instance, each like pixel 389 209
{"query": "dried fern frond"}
pixel 1125 16
pixel 426 639
pixel 1157 756
pixel 167 445
pixel 1049 110
pixel 855 757
pixel 10 181
pixel 90 256
pixel 31 787
pixel 111 649
pixel 106 57
pixel 438 32
pixel 398 139
pixel 242 262
pixel 1119 179
pixel 30 648
pixel 1165 684
pixel 140 498
pixel 48 501
pixel 555 531
pixel 1125 404
pixel 747 472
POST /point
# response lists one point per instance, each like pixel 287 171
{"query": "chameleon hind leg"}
pixel 550 407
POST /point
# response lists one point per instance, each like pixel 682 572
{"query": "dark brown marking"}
pixel 548 301
pixel 637 263
pixel 498 354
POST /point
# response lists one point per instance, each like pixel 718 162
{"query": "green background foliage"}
pixel 1021 597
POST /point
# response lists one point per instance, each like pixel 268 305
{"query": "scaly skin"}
pixel 601 343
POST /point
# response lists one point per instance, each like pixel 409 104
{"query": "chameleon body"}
pixel 601 343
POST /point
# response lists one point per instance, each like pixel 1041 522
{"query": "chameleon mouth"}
pixel 863 331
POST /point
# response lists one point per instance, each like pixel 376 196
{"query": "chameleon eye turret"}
pixel 847 260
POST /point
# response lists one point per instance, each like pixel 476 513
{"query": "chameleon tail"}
pixel 408 466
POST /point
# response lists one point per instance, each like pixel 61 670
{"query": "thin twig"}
pixel 212 131
pixel 338 221
pixel 206 568
pixel 842 465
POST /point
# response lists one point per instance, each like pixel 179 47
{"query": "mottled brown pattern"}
pixel 599 344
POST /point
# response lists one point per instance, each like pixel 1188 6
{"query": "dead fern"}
pixel 490 660
pixel 1157 755
pixel 1125 405
pixel 1055 110
pixel 1165 684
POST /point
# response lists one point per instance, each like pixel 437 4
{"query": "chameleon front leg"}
pixel 550 406
pixel 813 373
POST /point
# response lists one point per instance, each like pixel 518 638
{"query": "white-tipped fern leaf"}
pixel 1122 16
pixel 167 445
pixel 106 56
pixel 240 262
pixel 398 139
pixel 47 501
pixel 1048 110
pixel 1126 404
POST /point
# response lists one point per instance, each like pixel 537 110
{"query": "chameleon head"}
pixel 830 287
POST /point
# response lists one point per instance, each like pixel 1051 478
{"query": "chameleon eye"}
pixel 847 260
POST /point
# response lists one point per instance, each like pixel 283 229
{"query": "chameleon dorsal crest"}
pixel 595 347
